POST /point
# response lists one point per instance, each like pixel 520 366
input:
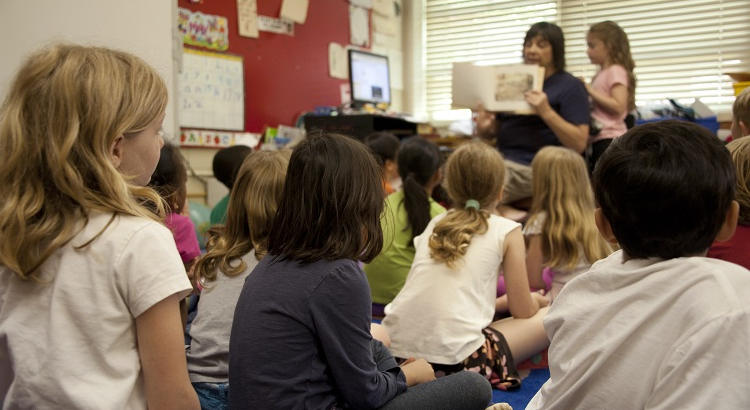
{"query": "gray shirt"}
pixel 208 355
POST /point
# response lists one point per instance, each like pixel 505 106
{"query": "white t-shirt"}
pixel 208 356
pixel 440 312
pixel 70 342
pixel 562 275
pixel 650 334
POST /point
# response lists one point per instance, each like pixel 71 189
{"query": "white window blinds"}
pixel 478 30
pixel 682 48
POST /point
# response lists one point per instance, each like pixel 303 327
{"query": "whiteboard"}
pixel 211 91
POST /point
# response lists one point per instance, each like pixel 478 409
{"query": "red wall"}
pixel 284 75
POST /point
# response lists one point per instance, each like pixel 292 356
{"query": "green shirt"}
pixel 387 272
pixel 219 213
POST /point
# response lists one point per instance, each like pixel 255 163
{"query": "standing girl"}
pixel 561 233
pixel 612 89
pixel 301 331
pixel 232 254
pixel 89 279
pixel 407 213
pixel 444 312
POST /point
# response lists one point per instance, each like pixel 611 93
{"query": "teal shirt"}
pixel 387 272
pixel 219 213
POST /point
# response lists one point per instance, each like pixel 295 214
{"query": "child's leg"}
pixel 462 390
pixel 525 337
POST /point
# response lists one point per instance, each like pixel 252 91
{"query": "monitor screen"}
pixel 369 78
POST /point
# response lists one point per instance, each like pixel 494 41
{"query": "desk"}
pixel 360 125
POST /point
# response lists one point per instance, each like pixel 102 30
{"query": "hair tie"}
pixel 472 203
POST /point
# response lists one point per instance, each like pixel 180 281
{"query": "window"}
pixel 682 48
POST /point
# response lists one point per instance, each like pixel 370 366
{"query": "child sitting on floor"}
pixel 445 310
pixel 301 331
pixel 655 325
pixel 737 248
pixel 385 147
pixel 561 233
pixel 233 252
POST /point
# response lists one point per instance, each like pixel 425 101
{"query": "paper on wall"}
pixel 274 25
pixel 361 3
pixel 383 7
pixel 247 18
pixel 337 61
pixel 385 25
pixel 295 10
pixel 359 26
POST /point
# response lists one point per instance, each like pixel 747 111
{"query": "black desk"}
pixel 360 125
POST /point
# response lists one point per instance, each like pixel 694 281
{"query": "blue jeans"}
pixel 213 396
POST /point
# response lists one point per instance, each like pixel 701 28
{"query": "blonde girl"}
pixel 89 280
pixel 233 252
pixel 612 90
pixel 561 233
pixel 444 312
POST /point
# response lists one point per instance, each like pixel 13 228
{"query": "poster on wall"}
pixel 211 91
pixel 359 26
pixel 247 18
pixel 274 25
pixel 203 30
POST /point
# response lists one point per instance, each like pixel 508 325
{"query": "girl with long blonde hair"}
pixel 561 233
pixel 445 310
pixel 84 264
pixel 233 252
pixel 612 90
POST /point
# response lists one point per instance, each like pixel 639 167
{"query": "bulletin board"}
pixel 211 91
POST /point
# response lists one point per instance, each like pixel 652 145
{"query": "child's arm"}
pixel 615 104
pixel 520 303
pixel 417 372
pixel 535 262
pixel 162 352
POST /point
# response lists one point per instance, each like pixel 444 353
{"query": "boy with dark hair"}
pixel 385 146
pixel 225 165
pixel 656 324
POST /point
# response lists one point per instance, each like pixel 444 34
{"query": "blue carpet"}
pixel 529 386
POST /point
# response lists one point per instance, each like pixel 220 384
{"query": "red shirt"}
pixel 736 249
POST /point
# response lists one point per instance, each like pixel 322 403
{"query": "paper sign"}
pixel 212 138
pixel 274 25
pixel 337 62
pixel 295 10
pixel 346 93
pixel 359 26
pixel 383 7
pixel 247 138
pixel 247 18
pixel 204 30
pixel 361 3
pixel 385 25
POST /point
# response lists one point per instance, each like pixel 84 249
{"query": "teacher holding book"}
pixel 561 113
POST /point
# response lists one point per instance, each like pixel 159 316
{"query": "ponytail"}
pixel 418 161
pixel 451 236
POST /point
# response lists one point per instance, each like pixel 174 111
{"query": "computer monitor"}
pixel 369 78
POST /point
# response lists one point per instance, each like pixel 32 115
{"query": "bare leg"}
pixel 525 337
pixel 378 332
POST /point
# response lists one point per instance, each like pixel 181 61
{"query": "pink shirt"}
pixel 611 125
pixel 185 237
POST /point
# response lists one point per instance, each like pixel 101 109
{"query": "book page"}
pixel 499 88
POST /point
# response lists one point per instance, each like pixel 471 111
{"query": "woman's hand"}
pixel 538 101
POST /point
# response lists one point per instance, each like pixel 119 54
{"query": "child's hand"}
pixel 585 84
pixel 417 371
pixel 541 298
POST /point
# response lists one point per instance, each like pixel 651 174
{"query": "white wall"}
pixel 141 27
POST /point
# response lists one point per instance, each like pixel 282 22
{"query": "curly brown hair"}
pixel 618 47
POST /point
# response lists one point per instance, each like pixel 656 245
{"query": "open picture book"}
pixel 499 88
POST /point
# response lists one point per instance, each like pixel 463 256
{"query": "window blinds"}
pixel 682 48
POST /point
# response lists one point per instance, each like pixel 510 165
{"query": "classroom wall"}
pixel 142 27
pixel 286 75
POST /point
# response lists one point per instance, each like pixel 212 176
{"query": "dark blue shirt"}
pixel 521 136
pixel 301 340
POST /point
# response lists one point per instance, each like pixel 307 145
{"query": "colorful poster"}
pixel 203 30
